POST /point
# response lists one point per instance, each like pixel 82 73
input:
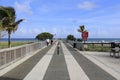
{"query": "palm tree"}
pixel 83 31
pixel 7 17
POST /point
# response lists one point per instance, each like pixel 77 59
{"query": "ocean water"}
pixel 107 40
pixel 97 40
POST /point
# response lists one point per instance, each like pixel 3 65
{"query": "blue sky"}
pixel 62 17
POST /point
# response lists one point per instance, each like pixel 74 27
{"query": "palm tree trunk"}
pixel 9 39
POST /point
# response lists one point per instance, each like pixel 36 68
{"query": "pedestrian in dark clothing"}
pixel 51 42
pixel 58 48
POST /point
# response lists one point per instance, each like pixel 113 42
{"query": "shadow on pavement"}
pixel 7 78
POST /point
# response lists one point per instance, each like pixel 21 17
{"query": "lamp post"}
pixel 54 35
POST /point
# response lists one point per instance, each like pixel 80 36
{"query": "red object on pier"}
pixel 84 35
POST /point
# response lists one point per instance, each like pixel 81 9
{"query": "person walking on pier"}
pixel 58 48
pixel 47 41
pixel 51 41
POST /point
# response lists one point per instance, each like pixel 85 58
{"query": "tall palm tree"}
pixel 83 31
pixel 7 17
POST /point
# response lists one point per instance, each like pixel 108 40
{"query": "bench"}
pixel 115 50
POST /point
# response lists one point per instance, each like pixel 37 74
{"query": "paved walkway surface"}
pixel 69 64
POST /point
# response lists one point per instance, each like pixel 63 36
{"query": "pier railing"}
pixel 105 47
pixel 10 55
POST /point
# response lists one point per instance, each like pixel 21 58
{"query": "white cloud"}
pixel 86 5
pixel 63 31
pixel 44 8
pixel 107 32
pixel 53 7
pixel 23 7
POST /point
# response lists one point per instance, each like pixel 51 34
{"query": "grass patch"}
pixel 98 48
pixel 13 44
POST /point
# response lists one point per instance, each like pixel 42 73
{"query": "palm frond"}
pixel 18 22
pixel 7 12
pixel 82 28
pixel 15 25
pixel 79 30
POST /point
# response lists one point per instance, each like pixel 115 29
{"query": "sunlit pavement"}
pixel 70 64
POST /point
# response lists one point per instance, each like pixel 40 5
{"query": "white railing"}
pixel 10 55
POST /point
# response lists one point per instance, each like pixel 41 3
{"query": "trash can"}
pixel 74 45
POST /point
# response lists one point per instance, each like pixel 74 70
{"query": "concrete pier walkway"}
pixel 70 64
